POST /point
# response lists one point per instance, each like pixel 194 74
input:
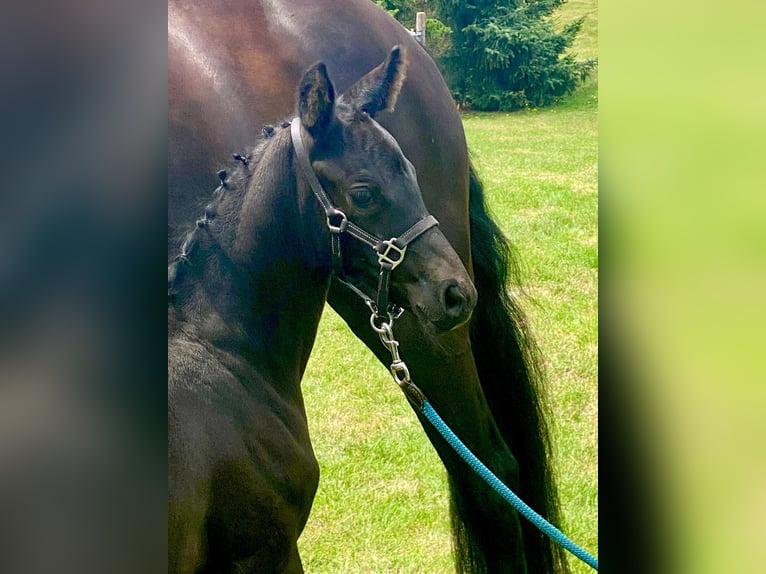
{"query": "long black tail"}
pixel 511 376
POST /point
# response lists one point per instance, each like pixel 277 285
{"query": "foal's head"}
pixel 367 177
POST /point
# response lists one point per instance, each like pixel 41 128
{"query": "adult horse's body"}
pixel 233 67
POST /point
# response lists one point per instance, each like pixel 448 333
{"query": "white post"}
pixel 420 27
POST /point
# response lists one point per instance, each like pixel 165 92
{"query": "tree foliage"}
pixel 404 10
pixel 506 54
pixel 499 54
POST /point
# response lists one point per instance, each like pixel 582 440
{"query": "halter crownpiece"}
pixel 390 252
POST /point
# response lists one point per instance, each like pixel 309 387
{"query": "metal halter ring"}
pixel 383 325
pixel 342 224
pixel 400 372
pixel 393 312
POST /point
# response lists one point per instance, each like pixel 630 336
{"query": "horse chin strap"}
pixel 390 252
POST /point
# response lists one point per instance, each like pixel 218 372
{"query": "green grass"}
pixel 586 44
pixel 382 501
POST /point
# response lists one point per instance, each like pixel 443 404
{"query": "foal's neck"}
pixel 264 278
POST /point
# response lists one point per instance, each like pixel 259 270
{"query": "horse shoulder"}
pixel 229 476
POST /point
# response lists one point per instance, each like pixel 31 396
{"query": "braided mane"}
pixel 227 184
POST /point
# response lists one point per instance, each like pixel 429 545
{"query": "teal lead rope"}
pixel 401 375
pixel 489 477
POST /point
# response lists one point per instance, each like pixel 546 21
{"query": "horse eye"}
pixel 361 196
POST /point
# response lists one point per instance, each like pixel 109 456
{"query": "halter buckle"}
pixel 342 224
pixel 387 248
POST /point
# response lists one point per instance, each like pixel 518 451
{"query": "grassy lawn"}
pixel 382 500
pixel 586 44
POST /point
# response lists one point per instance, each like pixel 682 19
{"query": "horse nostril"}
pixel 453 300
pixel 458 300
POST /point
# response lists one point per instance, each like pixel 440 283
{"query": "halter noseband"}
pixel 390 252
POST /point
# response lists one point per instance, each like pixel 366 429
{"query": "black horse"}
pixel 247 293
pixel 234 66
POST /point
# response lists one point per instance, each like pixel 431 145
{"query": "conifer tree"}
pixel 507 54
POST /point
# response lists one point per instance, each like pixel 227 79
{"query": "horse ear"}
pixel 316 100
pixel 379 89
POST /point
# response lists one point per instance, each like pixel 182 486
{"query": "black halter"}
pixel 390 252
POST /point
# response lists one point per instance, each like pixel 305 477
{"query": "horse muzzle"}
pixel 434 283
